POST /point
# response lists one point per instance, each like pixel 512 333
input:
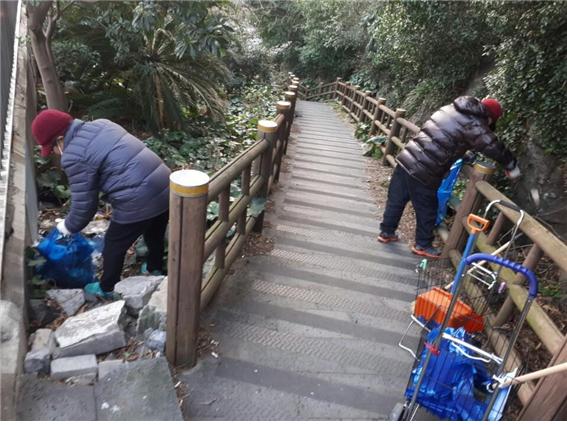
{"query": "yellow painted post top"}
pixel 283 105
pixel 484 168
pixel 189 183
pixel 293 87
pixel 267 126
pixel 289 94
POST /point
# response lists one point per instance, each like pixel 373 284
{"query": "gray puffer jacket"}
pixel 446 136
pixel 100 156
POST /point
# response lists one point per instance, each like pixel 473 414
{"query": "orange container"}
pixel 433 305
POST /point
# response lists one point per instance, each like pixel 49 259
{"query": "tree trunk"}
pixel 41 46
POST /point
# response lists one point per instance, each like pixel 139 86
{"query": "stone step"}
pixel 141 390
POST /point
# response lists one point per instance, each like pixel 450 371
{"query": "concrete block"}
pixel 42 347
pixel 73 366
pixel 142 391
pixel 46 400
pixel 96 331
pixel 12 351
pixel 70 300
pixel 137 291
pixel 153 315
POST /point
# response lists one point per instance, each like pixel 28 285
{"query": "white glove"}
pixel 514 173
pixel 62 228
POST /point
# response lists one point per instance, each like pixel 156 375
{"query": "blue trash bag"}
pixel 446 189
pixel 454 387
pixel 68 259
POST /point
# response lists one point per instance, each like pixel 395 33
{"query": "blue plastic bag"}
pixel 68 259
pixel 446 189
pixel 454 387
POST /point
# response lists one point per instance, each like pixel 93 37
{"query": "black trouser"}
pixel 120 237
pixel 404 188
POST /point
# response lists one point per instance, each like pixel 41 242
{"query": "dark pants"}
pixel 120 237
pixel 404 188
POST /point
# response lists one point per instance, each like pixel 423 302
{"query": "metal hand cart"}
pixel 461 360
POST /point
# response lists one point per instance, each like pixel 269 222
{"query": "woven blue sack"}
pixel 68 259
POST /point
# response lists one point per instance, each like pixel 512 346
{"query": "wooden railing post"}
pixel 471 199
pixel 291 97
pixel 377 114
pixel 394 131
pixel 268 130
pixel 362 116
pixel 337 87
pixel 508 307
pixel 352 100
pixel 282 107
pixel 187 226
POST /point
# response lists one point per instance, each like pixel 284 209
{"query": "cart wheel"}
pixel 397 412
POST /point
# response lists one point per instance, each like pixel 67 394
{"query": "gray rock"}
pixel 46 400
pixel 12 350
pixel 142 391
pixel 70 300
pixel 96 331
pixel 153 315
pixel 73 366
pixel 42 347
pixel 137 290
pixel 156 341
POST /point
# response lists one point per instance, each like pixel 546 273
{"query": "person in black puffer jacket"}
pixel 101 156
pixel 466 124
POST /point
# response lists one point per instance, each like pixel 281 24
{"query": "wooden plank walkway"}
pixel 310 330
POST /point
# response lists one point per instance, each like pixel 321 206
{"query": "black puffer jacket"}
pixel 446 136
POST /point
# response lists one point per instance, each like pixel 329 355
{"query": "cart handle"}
pixel 477 224
pixel 518 268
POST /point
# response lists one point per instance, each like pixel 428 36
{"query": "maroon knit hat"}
pixel 493 107
pixel 47 126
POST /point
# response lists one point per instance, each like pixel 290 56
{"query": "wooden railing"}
pixel 191 243
pixel 363 107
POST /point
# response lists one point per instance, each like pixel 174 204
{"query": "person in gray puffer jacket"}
pixel 466 124
pixel 101 156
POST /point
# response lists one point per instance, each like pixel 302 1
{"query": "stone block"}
pixel 153 315
pixel 70 300
pixel 96 331
pixel 73 366
pixel 42 347
pixel 12 351
pixel 137 291
pixel 142 391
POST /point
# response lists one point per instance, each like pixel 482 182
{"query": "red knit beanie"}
pixel 47 126
pixel 493 107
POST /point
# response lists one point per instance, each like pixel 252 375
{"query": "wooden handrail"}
pixel 190 246
pixel 398 129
